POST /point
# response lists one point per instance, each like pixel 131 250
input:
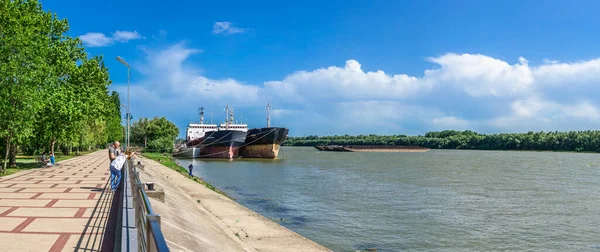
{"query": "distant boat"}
pixel 264 142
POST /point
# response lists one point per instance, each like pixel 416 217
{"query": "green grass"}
pixel 167 160
pixel 20 167
pixel 28 162
pixel 25 160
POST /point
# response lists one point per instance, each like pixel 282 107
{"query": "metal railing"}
pixel 140 224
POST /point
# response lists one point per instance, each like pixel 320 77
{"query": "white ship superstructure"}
pixel 230 123
pixel 198 130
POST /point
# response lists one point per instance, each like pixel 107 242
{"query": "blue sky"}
pixel 355 67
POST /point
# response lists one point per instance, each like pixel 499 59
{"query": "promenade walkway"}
pixel 63 208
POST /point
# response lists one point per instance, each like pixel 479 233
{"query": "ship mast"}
pixel 201 115
pixel 231 116
pixel 268 115
pixel 227 117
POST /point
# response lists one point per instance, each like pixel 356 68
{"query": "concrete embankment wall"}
pixel 195 218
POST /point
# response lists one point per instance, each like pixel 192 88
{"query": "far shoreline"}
pixel 434 149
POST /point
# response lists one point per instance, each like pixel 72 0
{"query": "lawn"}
pixel 28 162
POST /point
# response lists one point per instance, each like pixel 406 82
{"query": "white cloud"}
pixel 549 61
pixel 465 91
pixel 562 74
pixel 96 39
pixel 166 74
pixel 582 110
pixel 528 107
pixel 227 28
pixel 479 75
pixel 343 84
pixel 450 122
pixel 125 36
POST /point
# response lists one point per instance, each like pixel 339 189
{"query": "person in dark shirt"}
pixel 115 172
pixel 191 168
pixel 114 150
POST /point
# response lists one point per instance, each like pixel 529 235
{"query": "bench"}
pixel 38 159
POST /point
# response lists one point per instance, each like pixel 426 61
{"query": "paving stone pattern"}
pixel 62 208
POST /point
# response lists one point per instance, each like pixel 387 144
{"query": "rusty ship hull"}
pixel 264 142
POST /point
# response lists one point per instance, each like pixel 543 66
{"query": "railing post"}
pixel 147 224
pixel 149 231
pixel 140 212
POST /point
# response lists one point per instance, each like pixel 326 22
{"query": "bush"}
pixel 163 144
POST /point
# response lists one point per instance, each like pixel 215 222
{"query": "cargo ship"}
pixel 264 142
pixel 371 148
pixel 212 141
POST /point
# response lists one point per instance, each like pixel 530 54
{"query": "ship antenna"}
pixel 268 115
pixel 201 115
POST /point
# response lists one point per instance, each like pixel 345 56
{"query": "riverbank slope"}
pixel 195 218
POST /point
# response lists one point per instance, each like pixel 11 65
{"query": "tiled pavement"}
pixel 63 208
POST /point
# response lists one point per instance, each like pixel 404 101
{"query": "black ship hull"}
pixel 221 144
pixel 264 142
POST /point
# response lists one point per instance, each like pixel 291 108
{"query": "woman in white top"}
pixel 115 169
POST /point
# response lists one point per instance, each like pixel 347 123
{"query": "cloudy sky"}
pixel 353 67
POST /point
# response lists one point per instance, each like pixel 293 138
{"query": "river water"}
pixel 444 200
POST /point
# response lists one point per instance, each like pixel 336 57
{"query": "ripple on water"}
pixel 439 200
pixel 276 211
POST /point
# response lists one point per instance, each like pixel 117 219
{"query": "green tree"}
pixel 159 132
pixel 139 135
pixel 25 33
pixel 450 139
pixel 51 93
pixel 114 129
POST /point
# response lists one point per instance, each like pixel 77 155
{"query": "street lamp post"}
pixel 126 125
pixel 128 115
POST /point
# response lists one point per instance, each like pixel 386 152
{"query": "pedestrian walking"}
pixel 191 168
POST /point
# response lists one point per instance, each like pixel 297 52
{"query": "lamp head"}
pixel 122 61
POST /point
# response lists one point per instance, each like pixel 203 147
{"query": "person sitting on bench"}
pixel 42 159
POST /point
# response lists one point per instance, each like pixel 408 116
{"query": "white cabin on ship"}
pixel 198 130
pixel 237 127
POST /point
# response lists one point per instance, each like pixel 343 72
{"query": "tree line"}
pixel 52 94
pixel 588 141
pixel 155 134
